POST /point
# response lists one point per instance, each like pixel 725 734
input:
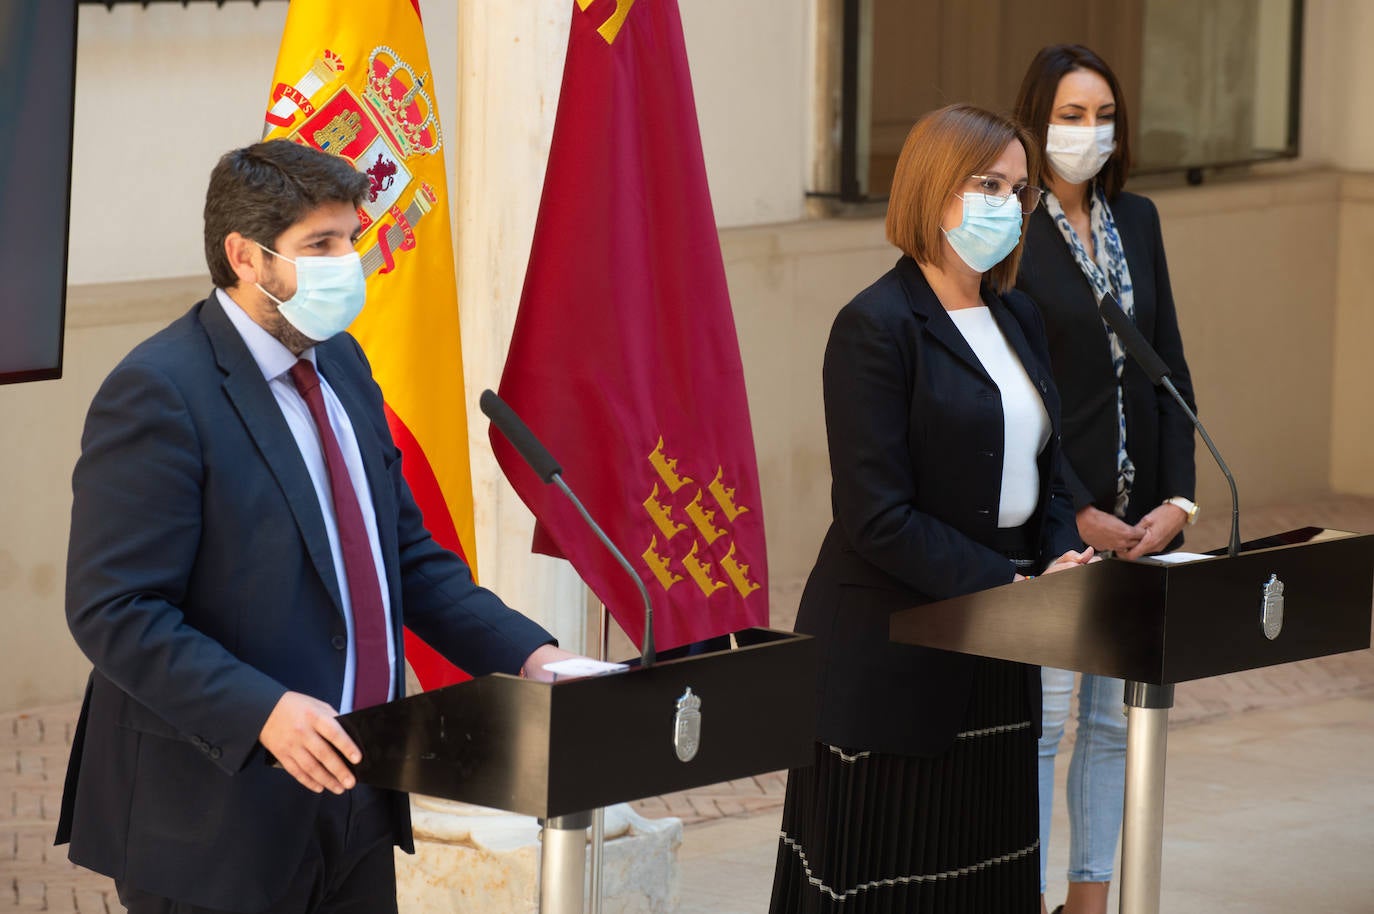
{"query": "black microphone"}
pixel 1135 344
pixel 542 462
pixel 520 436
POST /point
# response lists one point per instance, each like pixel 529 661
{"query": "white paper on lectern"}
pixel 1178 558
pixel 583 666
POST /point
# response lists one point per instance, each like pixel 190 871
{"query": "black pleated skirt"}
pixel 869 833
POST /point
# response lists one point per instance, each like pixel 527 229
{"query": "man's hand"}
pixel 1161 526
pixel 303 735
pixel 1107 532
pixel 533 667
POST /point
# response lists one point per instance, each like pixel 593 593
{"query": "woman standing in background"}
pixel 1128 448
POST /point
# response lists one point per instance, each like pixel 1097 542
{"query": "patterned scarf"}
pixel 1109 273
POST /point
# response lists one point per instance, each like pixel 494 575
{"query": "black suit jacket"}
pixel 201 585
pixel 915 432
pixel 1159 437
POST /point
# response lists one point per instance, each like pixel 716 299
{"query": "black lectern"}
pixel 1298 595
pixel 732 707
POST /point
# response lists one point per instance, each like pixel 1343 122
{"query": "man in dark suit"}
pixel 244 552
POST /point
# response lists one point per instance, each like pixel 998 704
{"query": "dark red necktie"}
pixel 372 671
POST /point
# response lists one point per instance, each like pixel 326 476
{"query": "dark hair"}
pixel 941 151
pixel 1035 104
pixel 262 190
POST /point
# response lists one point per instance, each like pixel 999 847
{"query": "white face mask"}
pixel 330 292
pixel 1077 154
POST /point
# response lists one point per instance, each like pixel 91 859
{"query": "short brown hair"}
pixel 1035 104
pixel 262 190
pixel 941 151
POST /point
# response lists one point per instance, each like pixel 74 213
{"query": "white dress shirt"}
pixel 1026 424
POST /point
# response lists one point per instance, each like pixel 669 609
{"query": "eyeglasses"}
pixel 998 191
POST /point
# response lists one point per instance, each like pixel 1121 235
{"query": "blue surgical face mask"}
pixel 987 233
pixel 330 292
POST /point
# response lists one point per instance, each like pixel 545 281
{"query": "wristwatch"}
pixel 1186 506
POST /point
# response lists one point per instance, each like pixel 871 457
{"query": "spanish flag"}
pixel 624 358
pixel 353 79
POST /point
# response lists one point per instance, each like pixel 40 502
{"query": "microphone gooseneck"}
pixel 1145 356
pixel 541 461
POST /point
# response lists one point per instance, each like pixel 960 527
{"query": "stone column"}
pixel 510 64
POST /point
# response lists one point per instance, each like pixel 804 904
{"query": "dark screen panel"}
pixel 37 81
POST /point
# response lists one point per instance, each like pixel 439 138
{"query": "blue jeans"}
pixel 1097 773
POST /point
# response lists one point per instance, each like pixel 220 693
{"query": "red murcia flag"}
pixel 624 358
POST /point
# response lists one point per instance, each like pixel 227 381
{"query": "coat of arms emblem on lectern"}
pixel 687 726
pixel 1271 614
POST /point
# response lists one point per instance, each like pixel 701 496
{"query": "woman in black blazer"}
pixel 942 424
pixel 1128 447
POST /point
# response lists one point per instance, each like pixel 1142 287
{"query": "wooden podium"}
pixel 1298 595
pixel 728 708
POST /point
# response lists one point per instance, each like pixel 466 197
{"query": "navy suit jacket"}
pixel 200 584
pixel 915 432
pixel 1159 436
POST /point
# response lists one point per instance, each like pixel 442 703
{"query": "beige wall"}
pixel 786 283
pixel 1352 454
pixel 1254 268
pixel 1267 272
pixel 39 663
pixel 144 137
pixel 1338 84
pixel 148 80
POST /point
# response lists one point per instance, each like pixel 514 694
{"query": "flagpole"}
pixel 599 814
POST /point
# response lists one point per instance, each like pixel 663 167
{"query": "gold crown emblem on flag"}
pixel 398 96
pixel 706 527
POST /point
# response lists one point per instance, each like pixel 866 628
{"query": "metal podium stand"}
pixel 1298 595
pixel 556 751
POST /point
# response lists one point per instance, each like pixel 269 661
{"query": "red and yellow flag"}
pixel 353 79
pixel 624 358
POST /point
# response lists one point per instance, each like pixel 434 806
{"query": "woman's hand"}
pixel 1071 559
pixel 1160 527
pixel 1107 532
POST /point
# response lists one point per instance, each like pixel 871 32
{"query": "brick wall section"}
pixel 35 875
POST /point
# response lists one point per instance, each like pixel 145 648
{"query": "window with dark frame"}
pixel 1208 84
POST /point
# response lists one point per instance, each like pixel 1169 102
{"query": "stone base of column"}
pixel 484 861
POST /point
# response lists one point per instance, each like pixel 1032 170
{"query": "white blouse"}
pixel 1026 425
